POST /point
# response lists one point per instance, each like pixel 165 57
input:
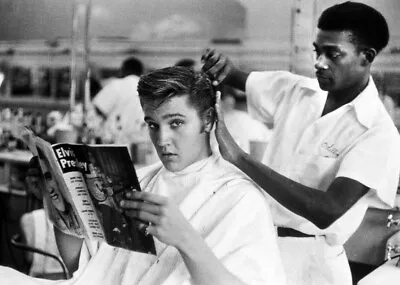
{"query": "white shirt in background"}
pixel 119 101
pixel 244 130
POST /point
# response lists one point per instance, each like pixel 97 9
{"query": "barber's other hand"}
pixel 228 148
pixel 167 223
pixel 34 178
pixel 216 65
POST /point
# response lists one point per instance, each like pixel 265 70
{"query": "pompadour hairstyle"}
pixel 367 24
pixel 162 84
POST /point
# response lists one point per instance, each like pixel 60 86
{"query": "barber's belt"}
pixel 288 232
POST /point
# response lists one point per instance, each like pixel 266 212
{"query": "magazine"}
pixel 85 184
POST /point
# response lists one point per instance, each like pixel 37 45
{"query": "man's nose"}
pixel 164 136
pixel 321 62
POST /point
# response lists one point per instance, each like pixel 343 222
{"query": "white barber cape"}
pixel 222 205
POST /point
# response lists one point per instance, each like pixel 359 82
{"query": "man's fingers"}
pixel 205 56
pixel 216 65
pixel 147 228
pixel 224 71
pixel 210 63
pixel 219 69
pixel 147 197
pixel 141 206
pixel 144 217
pixel 218 106
pixel 127 193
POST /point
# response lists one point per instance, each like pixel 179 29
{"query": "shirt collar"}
pixel 365 103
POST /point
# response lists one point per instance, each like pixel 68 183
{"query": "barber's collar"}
pixel 364 104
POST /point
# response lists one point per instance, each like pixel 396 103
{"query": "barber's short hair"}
pixel 367 24
pixel 131 66
pixel 160 85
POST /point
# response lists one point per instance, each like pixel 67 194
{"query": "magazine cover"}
pixel 84 185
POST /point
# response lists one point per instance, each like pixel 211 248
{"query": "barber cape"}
pixel 222 204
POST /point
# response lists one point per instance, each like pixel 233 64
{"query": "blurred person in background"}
pixel 387 100
pixel 119 106
pixel 334 150
pixel 187 62
pixel 246 131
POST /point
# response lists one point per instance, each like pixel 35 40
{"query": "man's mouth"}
pixel 168 154
pixel 321 76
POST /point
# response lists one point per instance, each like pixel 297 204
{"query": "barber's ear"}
pixel 209 119
pixel 370 54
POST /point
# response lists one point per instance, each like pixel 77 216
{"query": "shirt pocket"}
pixel 314 170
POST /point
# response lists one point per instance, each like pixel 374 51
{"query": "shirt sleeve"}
pixel 375 162
pixel 265 91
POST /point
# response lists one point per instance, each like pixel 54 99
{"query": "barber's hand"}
pixel 228 148
pixel 167 223
pixel 217 65
pixel 34 178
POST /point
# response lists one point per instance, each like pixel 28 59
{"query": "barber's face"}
pixel 339 66
pixel 177 133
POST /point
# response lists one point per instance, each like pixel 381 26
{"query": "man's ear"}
pixel 369 54
pixel 209 119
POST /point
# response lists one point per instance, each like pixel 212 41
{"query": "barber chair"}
pixel 37 240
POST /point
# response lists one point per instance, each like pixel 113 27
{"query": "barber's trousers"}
pixel 311 261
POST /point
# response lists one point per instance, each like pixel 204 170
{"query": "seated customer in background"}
pixel 210 222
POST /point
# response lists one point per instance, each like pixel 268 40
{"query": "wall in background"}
pixel 129 19
pixel 255 34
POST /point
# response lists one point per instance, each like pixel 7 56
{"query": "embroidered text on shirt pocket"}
pixel 329 150
pixel 315 171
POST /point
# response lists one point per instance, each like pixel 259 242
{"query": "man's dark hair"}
pixel 368 26
pixel 131 66
pixel 160 85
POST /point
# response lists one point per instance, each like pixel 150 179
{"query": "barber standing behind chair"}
pixel 334 151
pixel 118 103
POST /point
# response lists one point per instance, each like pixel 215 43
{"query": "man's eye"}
pixel 333 54
pixel 152 125
pixel 317 52
pixel 176 123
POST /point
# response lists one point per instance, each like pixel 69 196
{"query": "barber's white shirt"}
pixel 358 141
